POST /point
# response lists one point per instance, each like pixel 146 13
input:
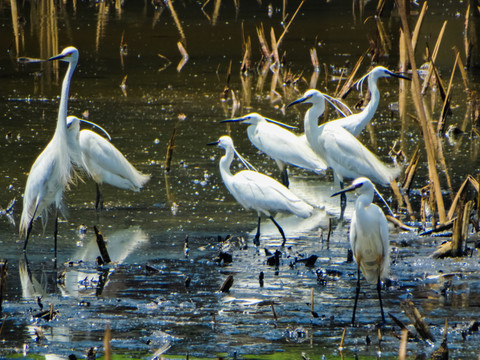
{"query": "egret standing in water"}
pixel 272 138
pixel 368 239
pixel 343 152
pixel 52 170
pixel 257 191
pixel 355 123
pixel 101 160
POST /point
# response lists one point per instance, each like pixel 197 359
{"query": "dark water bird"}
pixel 51 172
pixel 283 146
pixel 344 153
pixel 257 191
pixel 368 238
pixel 102 161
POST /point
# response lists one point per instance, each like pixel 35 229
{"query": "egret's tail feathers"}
pixel 373 267
pixel 301 209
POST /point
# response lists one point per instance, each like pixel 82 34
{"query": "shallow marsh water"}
pixel 147 310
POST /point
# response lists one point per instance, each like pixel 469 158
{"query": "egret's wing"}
pixel 352 158
pixel 259 192
pixel 281 144
pixel 105 163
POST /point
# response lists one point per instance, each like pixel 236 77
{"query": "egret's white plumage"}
pixel 344 153
pixel 101 160
pixel 257 191
pixel 355 123
pixel 52 170
pixel 282 145
pixel 368 237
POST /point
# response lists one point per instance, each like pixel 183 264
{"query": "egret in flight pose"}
pixel 368 239
pixel 102 161
pixel 52 170
pixel 272 138
pixel 343 152
pixel 257 191
pixel 355 123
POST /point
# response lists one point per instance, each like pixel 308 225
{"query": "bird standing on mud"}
pixel 51 172
pixel 368 239
pixel 257 191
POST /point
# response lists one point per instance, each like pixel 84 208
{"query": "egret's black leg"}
pixel 357 292
pixel 379 290
pixel 280 230
pixel 284 177
pixel 256 241
pixel 99 199
pixel 55 233
pixel 29 229
pixel 343 201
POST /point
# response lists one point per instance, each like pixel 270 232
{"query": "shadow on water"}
pixel 167 242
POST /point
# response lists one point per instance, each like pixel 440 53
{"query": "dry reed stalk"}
pixel 446 102
pixel 314 58
pixel 461 67
pixel 466 41
pixel 384 38
pixel 427 129
pixel 289 23
pixel 418 25
pixel 417 320
pixel 433 58
pixel 342 340
pixel 275 44
pixel 247 57
pixel 470 180
pixel 349 83
pixel 184 54
pixel 227 284
pixel 410 170
pixel 402 351
pixel 263 42
pixel 107 343
pixel 274 312
pixel 399 224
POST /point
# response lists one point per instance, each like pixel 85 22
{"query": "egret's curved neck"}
pixel 372 106
pixel 311 120
pixel 364 200
pixel 63 107
pixel 225 163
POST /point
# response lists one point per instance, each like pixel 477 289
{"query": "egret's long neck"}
pixel 364 200
pixel 372 106
pixel 311 121
pixel 62 110
pixel 225 163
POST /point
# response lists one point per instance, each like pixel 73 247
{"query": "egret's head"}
pixel 224 142
pixel 360 185
pixel 69 54
pixel 250 119
pixel 311 96
pixel 73 124
pixel 380 72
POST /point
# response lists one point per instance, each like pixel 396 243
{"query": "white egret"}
pixel 257 191
pixel 101 160
pixel 368 238
pixel 52 170
pixel 272 138
pixel 343 152
pixel 355 123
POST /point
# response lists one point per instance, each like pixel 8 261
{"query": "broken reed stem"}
pixel 402 351
pixel 170 147
pixel 274 312
pixel 101 246
pixel 446 103
pixel 427 130
pixel 311 300
pixel 107 343
pixel 342 339
pixel 289 23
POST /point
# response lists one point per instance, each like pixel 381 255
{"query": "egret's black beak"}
pixel 298 101
pixel 232 120
pixel 214 143
pixel 400 76
pixel 57 57
pixel 348 189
